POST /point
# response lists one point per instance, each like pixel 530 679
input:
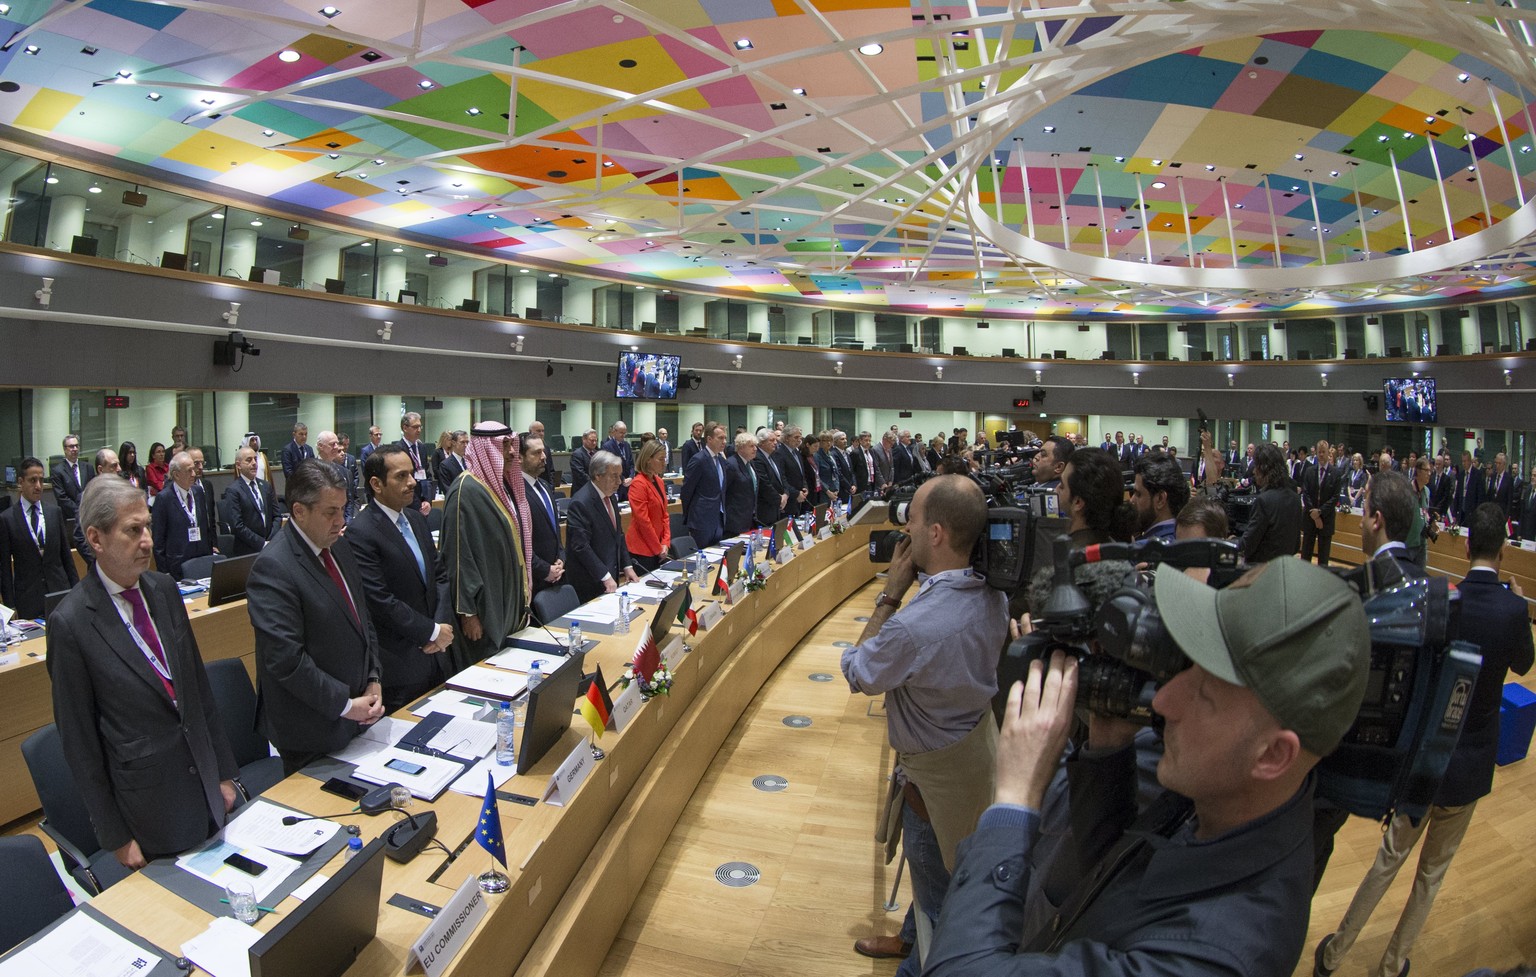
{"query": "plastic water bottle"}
pixel 354 848
pixel 623 623
pixel 573 641
pixel 506 735
pixel 535 676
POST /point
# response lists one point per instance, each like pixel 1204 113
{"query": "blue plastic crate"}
pixel 1517 722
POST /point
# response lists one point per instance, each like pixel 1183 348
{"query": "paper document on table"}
pixel 373 740
pixel 604 609
pixel 260 825
pixel 453 703
pixel 496 684
pixel 79 947
pixel 223 949
pixel 522 659
pixel 472 783
pixel 465 738
pixel 208 863
pixel 433 774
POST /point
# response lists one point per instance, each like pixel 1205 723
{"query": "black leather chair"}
pixel 434 519
pixel 200 566
pixel 33 895
pixel 679 524
pixel 683 547
pixel 65 819
pixel 236 700
pixel 554 603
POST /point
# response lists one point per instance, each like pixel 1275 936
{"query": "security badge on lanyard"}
pixel 153 659
pixel 194 531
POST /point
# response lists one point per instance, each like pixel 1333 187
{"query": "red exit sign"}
pixel 115 403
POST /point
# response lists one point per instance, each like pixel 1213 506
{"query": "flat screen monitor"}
pixel 1410 399
pixel 84 244
pixel 469 305
pixel 647 376
pixel 335 286
pixel 549 712
pixel 533 312
pixel 325 934
pixel 174 260
pixel 666 613
pixel 226 581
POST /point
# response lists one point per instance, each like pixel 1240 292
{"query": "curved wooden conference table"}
pixel 574 870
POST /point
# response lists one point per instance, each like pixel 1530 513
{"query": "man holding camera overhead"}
pixel 1219 883
pixel 935 661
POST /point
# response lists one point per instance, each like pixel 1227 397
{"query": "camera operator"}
pixel 1092 497
pixel 1494 619
pixel 1160 491
pixel 1274 527
pixel 1280 661
pixel 1050 460
pixel 936 663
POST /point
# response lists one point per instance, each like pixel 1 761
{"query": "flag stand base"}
pixel 493 882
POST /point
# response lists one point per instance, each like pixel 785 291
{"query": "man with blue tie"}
pixel 405 585
pixel 704 489
pixel 295 451
pixel 250 507
pixel 182 528
pixel 548 555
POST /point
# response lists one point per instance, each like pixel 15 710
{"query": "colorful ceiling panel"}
pixel 1150 158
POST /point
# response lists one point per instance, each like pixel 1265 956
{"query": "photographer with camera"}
pixel 1160 492
pixel 1092 497
pixel 1274 527
pixel 1493 618
pixel 935 661
pixel 1279 667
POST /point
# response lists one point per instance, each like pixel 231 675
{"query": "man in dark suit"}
pixel 1528 508
pixel 844 466
pixel 773 493
pixel 704 489
pixel 618 445
pixel 741 487
pixel 1501 484
pixel 35 559
pixel 903 464
pixel 1494 619
pixel 250 506
pixel 202 493
pixel 182 529
pixel 405 585
pixel 594 536
pixel 1469 489
pixel 452 465
pixel 693 445
pixel 328 450
pixel 298 449
pixel 69 477
pixel 787 455
pixel 666 449
pixel 410 440
pixel 548 560
pixel 136 717
pixel 865 478
pixel 1319 503
pixel 581 457
pixel 883 455
pixel 1390 523
pixel 1442 486
pixel 317 656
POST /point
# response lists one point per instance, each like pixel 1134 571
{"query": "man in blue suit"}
pixel 297 450
pixel 1469 489
pixel 618 445
pixel 182 527
pixel 704 489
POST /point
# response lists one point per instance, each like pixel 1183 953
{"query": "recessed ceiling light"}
pixel 471 111
pixel 797 91
pixel 334 155
pixel 1047 128
pixel 1298 156
pixel 360 175
pixel 398 250
pixel 1463 77
pixel 255 223
pixel 124 74
pixel 1381 138
pixel 1525 149
pixel 1209 168
pixel 1158 184
pixel 522 271
pixel 52 179
pixel 5 8
pixel 217 216
pixel 742 44
pixel 424 84
pixel 1333 172
pixel 267 132
pixel 93 188
pixel 153 96
pixel 1119 159
pixel 1237 206
pixel 1407 135
pixel 329 12
pixel 31 49
pixel 290 56
pixel 871 49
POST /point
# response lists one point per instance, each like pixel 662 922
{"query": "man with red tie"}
pixel 317 656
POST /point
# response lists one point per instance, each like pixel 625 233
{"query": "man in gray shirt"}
pixel 935 661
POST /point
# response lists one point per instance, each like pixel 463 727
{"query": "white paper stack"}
pixel 435 773
pixel 260 825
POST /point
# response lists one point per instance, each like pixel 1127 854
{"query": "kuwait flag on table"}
pixel 686 614
pixel 722 581
pixel 595 706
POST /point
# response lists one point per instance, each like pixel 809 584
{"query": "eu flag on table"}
pixel 488 830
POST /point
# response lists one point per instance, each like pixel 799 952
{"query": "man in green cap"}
pixel 1215 877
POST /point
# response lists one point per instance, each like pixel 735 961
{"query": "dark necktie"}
pixel 335 572
pixel 37 525
pixel 146 630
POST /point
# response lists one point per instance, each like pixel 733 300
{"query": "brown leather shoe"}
pixel 882 947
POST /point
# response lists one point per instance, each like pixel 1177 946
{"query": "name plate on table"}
pixel 446 935
pixel 10 659
pixel 625 706
pixel 571 775
pixel 1528 545
pixel 736 592
pixel 672 651
pixel 710 615
pixel 825 532
pixel 786 553
pixel 806 542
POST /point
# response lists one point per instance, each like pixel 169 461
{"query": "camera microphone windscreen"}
pixel 1096 580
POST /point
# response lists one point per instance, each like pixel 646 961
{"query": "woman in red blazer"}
pixel 650 527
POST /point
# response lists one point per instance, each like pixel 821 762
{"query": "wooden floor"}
pixel 823 884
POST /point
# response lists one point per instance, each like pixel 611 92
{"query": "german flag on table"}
pixel 595 706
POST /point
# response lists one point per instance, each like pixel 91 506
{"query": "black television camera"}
pixel 1005 553
pixel 1420 680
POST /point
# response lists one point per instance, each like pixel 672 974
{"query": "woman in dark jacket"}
pixel 814 494
pixel 1274 524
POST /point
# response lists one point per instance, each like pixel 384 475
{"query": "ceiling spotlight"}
pixel 1048 129
pixel 1157 162
pixel 1119 159
pixel 255 223
pixel 1463 77
pixel 52 179
pixel 1525 149
pixel 1158 184
pixel 31 49
pixel 797 91
pixel 1381 138
pixel 124 74
pixel 378 162
pixel 289 56
pixel 5 8
pixel 153 96
pixel 1298 156
pixel 1333 172
pixel 329 12
pixel 471 111
pixel 333 155
pixel 1209 168
pixel 268 132
pixel 1237 206
pixel 607 162
pixel 424 84
pixel 871 49
pixel 93 188
pixel 837 367
pixel 742 44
